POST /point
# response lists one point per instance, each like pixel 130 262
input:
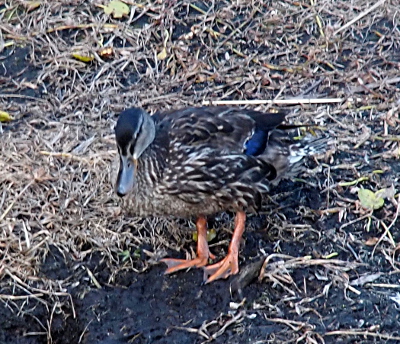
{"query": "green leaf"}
pixel 211 234
pixel 117 9
pixel 124 255
pixel 83 57
pixel 370 199
pixel 5 117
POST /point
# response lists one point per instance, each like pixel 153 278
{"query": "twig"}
pixel 4 95
pixel 374 85
pixel 294 325
pixel 362 14
pixel 235 31
pixel 51 293
pixel 277 101
pixel 64 155
pixel 237 318
pixel 386 138
pixel 387 228
pixel 383 285
pixel 19 297
pixel 356 220
pixel 313 86
pixel 16 199
pixel 362 333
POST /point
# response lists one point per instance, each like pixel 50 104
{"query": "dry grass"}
pixel 58 157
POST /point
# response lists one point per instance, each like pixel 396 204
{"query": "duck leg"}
pixel 230 264
pixel 203 253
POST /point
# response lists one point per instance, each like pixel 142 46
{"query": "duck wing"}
pixel 213 155
pixel 222 129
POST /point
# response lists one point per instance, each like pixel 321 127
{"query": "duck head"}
pixel 134 132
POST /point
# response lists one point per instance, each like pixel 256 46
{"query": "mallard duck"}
pixel 195 162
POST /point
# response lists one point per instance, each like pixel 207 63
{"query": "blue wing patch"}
pixel 257 143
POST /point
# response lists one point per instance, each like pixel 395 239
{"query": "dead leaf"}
pixel 368 278
pixel 386 193
pixel 40 175
pixel 106 52
pixel 162 55
pixel 201 78
pixel 396 298
pixel 31 5
pixel 117 9
pixel 371 241
pixel 30 85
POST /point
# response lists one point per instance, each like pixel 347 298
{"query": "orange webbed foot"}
pixel 223 269
pixel 203 253
pixel 230 264
pixel 180 264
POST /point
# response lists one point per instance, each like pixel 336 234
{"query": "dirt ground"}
pixel 317 265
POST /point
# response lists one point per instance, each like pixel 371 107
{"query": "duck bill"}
pixel 126 176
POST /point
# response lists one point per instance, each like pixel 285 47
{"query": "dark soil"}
pixel 76 268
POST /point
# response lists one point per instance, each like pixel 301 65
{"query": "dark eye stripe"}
pixel 129 122
pixel 122 150
pixel 130 145
pixel 134 140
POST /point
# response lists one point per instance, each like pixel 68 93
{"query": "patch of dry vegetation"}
pixel 58 157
